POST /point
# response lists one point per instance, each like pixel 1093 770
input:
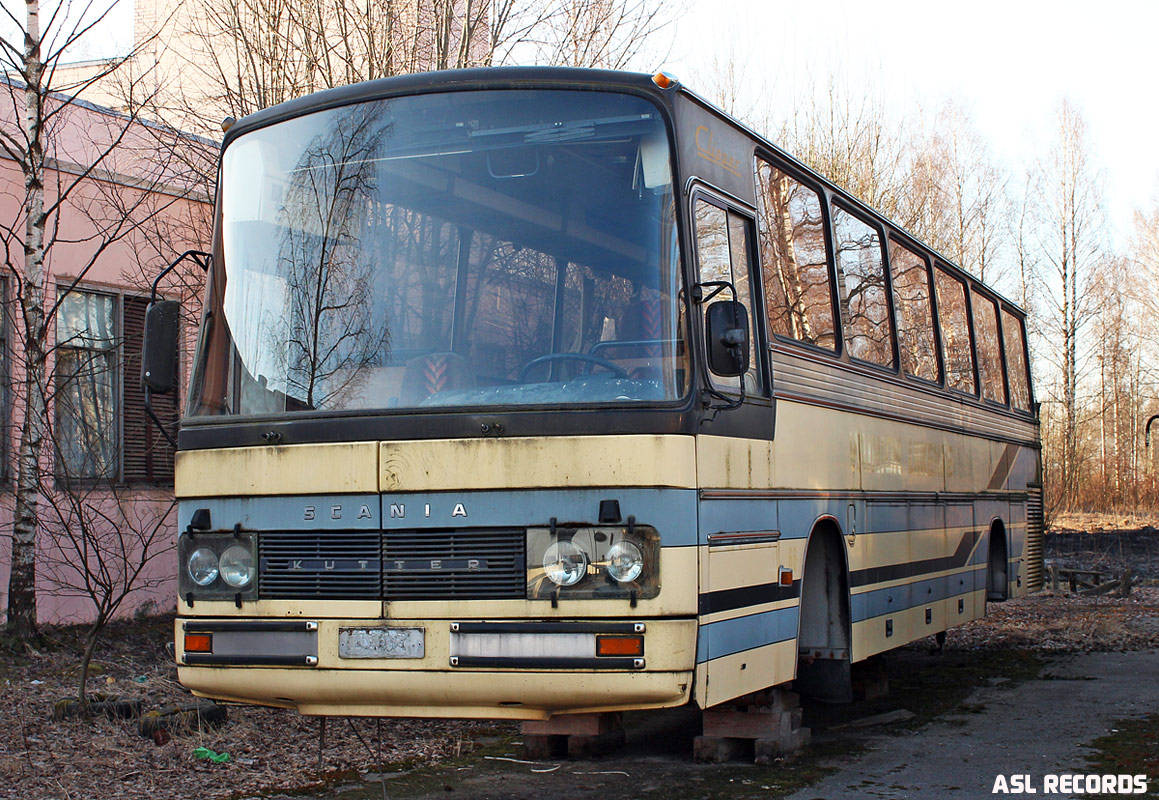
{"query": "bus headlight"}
pixel 237 566
pixel 202 566
pixel 605 562
pixel 564 563
pixel 217 566
pixel 625 561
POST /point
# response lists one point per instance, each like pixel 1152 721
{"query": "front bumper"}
pixel 514 669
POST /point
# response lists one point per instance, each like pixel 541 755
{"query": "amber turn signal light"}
pixel 619 645
pixel 198 643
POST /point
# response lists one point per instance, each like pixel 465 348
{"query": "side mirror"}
pixel 726 332
pixel 159 348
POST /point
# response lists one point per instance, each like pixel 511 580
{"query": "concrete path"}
pixel 1037 728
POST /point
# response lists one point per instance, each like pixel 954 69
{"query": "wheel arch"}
pixel 826 525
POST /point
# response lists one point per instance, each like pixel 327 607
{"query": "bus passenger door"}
pixel 724 247
pixel 746 628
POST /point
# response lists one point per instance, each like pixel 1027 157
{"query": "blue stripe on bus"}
pixel 737 516
pixel 332 511
pixel 671 511
pixel 794 517
pixel 798 515
pixel 895 599
pixel 730 636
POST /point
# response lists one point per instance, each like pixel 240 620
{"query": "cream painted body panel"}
pixel 823 452
pixel 470 695
pixel 564 461
pixel 825 449
pixel 438 465
pixel 277 470
pixel 864 456
pixel 738 674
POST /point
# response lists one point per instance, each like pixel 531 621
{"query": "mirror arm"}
pixel 201 259
pixel 729 403
pixel 198 257
pixel 1147 430
pixel 156 420
pixel 698 295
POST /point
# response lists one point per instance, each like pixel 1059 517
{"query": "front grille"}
pixel 323 565
pixel 472 564
pixel 444 564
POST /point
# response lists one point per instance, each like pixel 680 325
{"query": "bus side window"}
pixel 722 247
pixel 955 331
pixel 989 348
pixel 1015 341
pixel 794 258
pixel 915 318
pixel 861 281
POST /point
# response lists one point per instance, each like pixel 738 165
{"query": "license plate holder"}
pixel 381 642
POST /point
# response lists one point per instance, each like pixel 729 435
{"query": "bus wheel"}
pixel 997 566
pixel 823 667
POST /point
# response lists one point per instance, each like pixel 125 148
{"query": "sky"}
pixel 1011 63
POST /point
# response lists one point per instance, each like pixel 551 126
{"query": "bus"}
pixel 525 392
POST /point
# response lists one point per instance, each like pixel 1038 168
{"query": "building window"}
pixel 102 430
pixel 86 386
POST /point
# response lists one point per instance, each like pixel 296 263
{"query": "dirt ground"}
pixel 273 752
pixel 1106 544
pixel 106 758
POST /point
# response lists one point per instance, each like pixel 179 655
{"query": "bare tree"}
pixel 104 545
pixel 91 180
pixel 957 196
pixel 607 34
pixel 847 135
pixel 1066 206
pixel 231 58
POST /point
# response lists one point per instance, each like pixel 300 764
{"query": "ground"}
pixel 1029 659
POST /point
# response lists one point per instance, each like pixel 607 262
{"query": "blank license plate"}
pixel 381 643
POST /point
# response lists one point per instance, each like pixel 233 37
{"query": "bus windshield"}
pixel 446 250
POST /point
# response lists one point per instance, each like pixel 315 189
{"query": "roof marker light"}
pixel 664 80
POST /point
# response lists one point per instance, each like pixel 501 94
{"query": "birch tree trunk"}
pixel 22 579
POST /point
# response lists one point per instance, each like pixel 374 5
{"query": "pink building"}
pixel 106 473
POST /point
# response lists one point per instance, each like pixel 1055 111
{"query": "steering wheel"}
pixel 615 369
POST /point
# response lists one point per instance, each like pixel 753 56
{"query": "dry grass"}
pixel 279 750
pixel 95 758
pixel 1060 623
pixel 1091 521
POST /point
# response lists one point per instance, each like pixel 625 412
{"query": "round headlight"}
pixel 202 566
pixel 565 563
pixel 625 562
pixel 237 566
